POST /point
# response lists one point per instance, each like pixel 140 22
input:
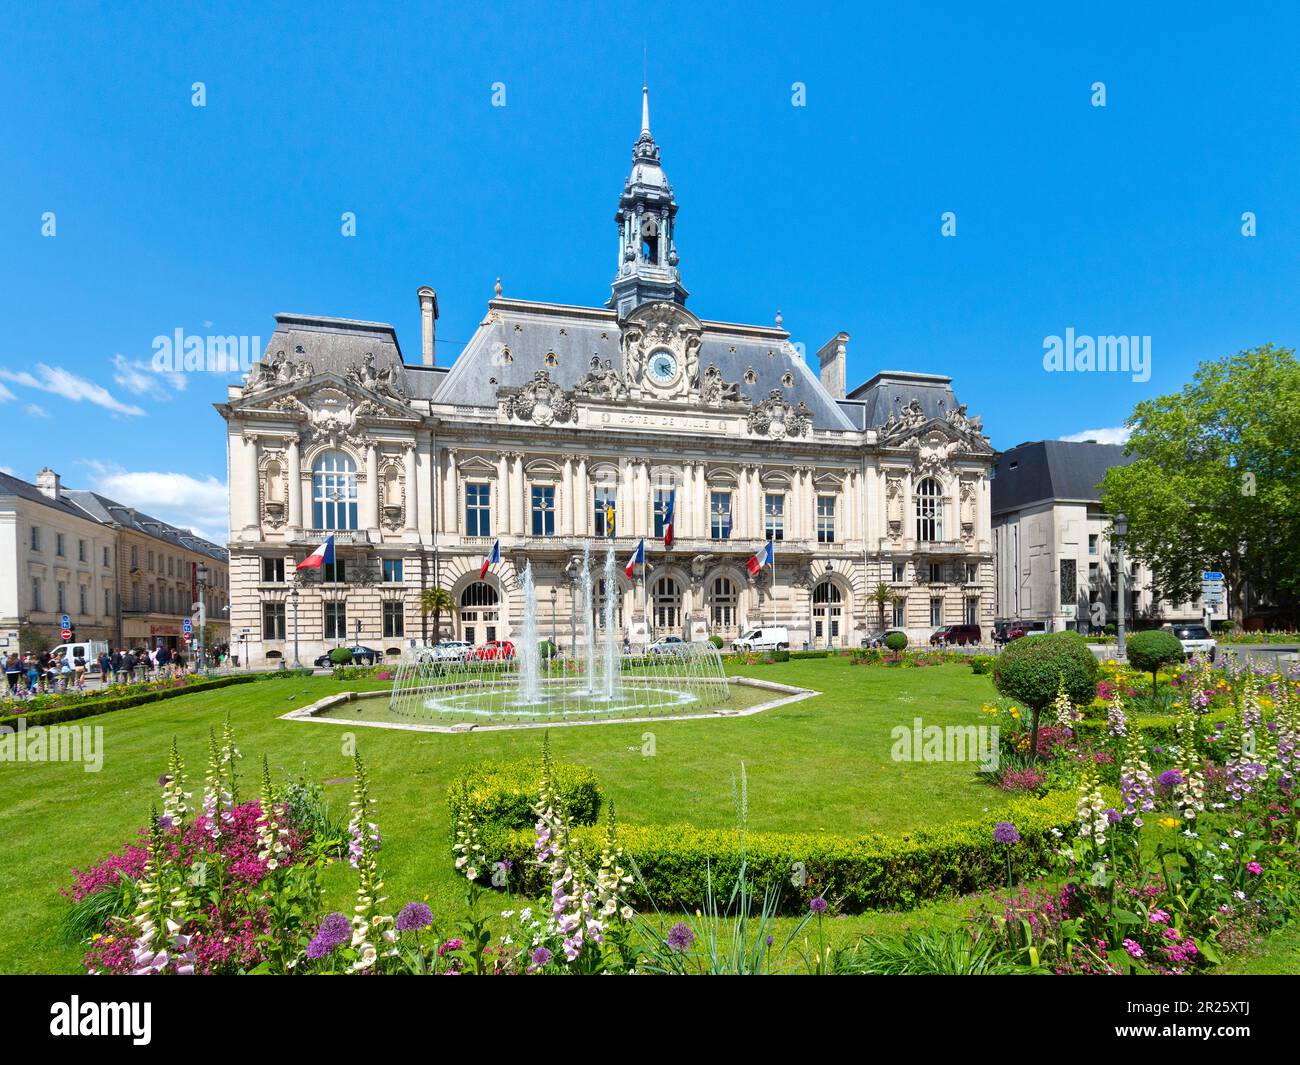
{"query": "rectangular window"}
pixel 81 550
pixel 936 572
pixel 81 600
pixel 273 621
pixel 171 566
pixel 394 623
pixel 36 538
pixel 272 571
pixel 774 516
pixel 900 573
pixel 478 510
pixel 825 519
pixel 936 610
pixel 1092 543
pixel 720 515
pixel 972 610
pixel 603 512
pixel 972 572
pixel 61 597
pixel 335 572
pixel 106 561
pixel 1069 582
pixel 336 621
pixel 150 561
pixel 58 544
pixel 108 603
pixel 1094 574
pixel 543 510
pixel 150 604
pixel 36 594
pixel 393 572
pixel 662 495
pixel 900 614
pixel 135 557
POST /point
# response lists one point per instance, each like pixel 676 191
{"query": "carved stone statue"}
pixel 542 402
pixel 602 381
pixel 776 418
pixel 715 391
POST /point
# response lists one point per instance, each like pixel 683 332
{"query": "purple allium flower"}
pixel 414 916
pixel 818 905
pixel 334 931
pixel 541 958
pixel 1005 832
pixel 680 936
pixel 1170 777
pixel 1112 815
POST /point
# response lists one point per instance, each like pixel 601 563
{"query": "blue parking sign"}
pixel 187 625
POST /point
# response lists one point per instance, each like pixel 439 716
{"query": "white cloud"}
pixel 7 469
pixel 36 410
pixel 140 378
pixel 6 395
pixel 1117 434
pixel 60 382
pixel 201 504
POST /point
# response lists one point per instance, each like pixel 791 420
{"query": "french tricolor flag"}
pixel 493 557
pixel 763 557
pixel 669 508
pixel 322 556
pixel 638 557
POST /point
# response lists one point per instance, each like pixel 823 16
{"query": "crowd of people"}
pixel 42 672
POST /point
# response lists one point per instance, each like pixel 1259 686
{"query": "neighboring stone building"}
pixel 119 575
pixel 1055 561
pixel 560 426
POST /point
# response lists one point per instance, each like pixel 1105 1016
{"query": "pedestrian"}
pixel 105 666
pixel 13 670
pixel 33 673
pixel 43 661
pixel 128 665
pixel 79 673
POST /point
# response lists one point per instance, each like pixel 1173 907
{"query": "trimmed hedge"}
pixel 793 655
pixel 1031 669
pixel 857 874
pixel 896 641
pixel 983 664
pixel 92 707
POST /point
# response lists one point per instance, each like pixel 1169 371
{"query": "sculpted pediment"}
pixel 328 396
pixel 913 430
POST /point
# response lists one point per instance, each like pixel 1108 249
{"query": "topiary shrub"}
pixel 896 641
pixel 716 641
pixel 1033 668
pixel 982 664
pixel 340 656
pixel 1152 649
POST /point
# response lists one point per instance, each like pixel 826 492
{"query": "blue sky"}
pixel 1117 220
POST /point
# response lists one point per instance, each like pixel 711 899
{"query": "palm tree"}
pixel 882 595
pixel 437 601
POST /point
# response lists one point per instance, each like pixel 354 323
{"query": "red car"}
pixel 494 649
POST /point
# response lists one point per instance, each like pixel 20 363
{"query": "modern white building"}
pixel 1055 557
pixel 562 426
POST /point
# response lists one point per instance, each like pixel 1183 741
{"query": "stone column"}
pixel 370 501
pixel 625 509
pixel 581 501
pixel 565 520
pixel 450 495
pixel 411 486
pixel 503 495
pixel 248 490
pixel 293 483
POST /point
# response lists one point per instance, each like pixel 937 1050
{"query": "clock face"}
pixel 662 366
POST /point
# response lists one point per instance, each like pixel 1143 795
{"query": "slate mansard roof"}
pixel 1060 470
pixel 889 391
pixel 515 339
pixel 109 512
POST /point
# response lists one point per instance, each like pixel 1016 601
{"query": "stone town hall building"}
pixel 561 425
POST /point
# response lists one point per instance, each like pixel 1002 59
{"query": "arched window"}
pixel 334 492
pixel 929 510
pixel 828 612
pixel 479 612
pixel 667 604
pixel 722 603
pixel 598 606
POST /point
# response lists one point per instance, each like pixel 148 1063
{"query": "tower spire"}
pixel 645 109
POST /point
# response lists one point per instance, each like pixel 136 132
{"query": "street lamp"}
pixel 1121 531
pixel 203 613
pixel 293 599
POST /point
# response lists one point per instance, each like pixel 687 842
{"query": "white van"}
pixel 90 650
pixel 772 638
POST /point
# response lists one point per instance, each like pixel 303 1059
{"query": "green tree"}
pixel 437 601
pixel 883 596
pixel 1033 668
pixel 1151 650
pixel 1216 479
pixel 34 638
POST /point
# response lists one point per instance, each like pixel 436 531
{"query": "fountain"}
pixel 447 687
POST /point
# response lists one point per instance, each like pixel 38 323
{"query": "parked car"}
pixel 770 638
pixel 367 655
pixel 493 650
pixel 955 635
pixel 878 639
pixel 1017 629
pixel 669 645
pixel 452 650
pixel 1196 640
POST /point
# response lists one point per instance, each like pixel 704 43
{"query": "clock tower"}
pixel 647 223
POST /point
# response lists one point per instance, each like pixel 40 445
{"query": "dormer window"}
pixel 551 359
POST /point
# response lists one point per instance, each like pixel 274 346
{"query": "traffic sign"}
pixel 1211 575
pixel 187 625
pixel 66 634
pixel 65 622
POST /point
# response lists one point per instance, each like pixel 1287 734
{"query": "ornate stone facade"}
pixel 558 426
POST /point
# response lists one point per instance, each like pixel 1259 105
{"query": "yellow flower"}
pixel 1169 822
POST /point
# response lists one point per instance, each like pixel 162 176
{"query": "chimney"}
pixel 48 482
pixel 428 327
pixel 833 359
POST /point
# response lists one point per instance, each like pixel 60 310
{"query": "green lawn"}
pixel 822 764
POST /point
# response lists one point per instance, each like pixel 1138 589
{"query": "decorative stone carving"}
pixel 777 418
pixel 967 500
pixel 386 382
pixel 714 391
pixel 662 325
pixel 699 566
pixel 392 495
pixel 275 370
pixel 602 381
pixel 542 402
pixel 909 418
pixel 894 506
